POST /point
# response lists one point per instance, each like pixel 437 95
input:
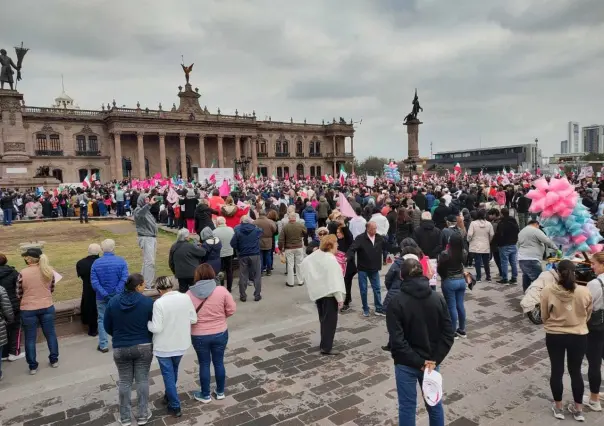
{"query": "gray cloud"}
pixel 500 72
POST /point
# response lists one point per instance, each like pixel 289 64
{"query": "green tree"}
pixel 372 166
pixel 592 156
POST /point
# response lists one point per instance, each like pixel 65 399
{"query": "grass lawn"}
pixel 67 242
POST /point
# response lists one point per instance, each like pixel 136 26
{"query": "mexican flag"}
pixel 457 169
pixel 86 182
pixel 273 177
pixel 343 174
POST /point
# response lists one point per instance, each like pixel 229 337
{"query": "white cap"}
pixel 432 387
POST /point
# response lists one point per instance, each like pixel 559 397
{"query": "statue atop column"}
pixel 187 70
pixel 416 109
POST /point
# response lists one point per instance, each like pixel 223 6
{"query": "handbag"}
pixel 596 322
pixel 470 280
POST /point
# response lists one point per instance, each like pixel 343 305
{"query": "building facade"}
pixel 593 139
pixel 115 142
pixel 518 157
pixel 564 147
pixel 574 137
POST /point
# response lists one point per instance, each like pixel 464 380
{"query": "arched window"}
pixel 167 166
pixel 87 145
pixel 315 148
pixel 127 167
pixel 319 171
pixel 147 172
pixel 300 171
pixel 55 144
pixel 285 147
pixel 82 173
pixel 299 149
pixel 312 171
pixel 278 148
pixel 286 172
pixel 93 145
pixel 41 143
pixel 48 143
pixel 279 172
pixel 96 173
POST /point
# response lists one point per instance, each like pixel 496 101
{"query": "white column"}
pixel 220 152
pixel 141 156
pixel 183 157
pixel 202 151
pixel 162 155
pixel 117 136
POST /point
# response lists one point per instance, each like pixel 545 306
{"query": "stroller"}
pixel 530 303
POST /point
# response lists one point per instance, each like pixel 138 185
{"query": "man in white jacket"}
pixel 173 314
pixel 382 228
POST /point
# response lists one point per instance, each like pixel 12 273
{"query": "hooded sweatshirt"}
pixel 143 219
pixel 480 235
pixel 418 324
pixel 213 247
pixel 246 240
pixel 8 280
pixel 565 312
pixel 218 306
pixel 126 319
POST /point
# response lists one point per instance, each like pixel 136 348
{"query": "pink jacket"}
pixel 212 317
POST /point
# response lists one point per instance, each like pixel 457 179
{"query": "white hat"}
pixel 410 256
pixel 432 387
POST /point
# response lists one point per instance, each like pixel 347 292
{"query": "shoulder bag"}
pixel 596 322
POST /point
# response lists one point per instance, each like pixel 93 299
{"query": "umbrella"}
pixel 20 51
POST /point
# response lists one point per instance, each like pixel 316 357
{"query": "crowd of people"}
pixel 427 234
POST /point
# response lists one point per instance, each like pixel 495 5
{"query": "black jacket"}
pixel 522 204
pixel 8 280
pixel 428 238
pixel 190 206
pixel 404 230
pixel 184 258
pixel 419 325
pixel 369 255
pixel 6 202
pixel 440 216
pixel 420 201
pixel 448 267
pixel 507 232
pixel 203 217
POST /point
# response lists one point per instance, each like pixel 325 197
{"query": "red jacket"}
pixel 233 214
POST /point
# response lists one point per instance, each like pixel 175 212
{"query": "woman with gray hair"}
pixel 225 234
pixel 184 257
pixel 88 303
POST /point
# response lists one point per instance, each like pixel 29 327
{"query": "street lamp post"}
pixel 535 160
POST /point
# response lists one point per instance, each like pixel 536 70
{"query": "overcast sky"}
pixel 495 72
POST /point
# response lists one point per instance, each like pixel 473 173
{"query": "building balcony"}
pixel 315 154
pixel 48 153
pixel 339 155
pixel 299 154
pixel 282 154
pixel 262 154
pixel 88 153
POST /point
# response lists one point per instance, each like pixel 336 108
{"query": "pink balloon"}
pixel 541 184
pixel 551 198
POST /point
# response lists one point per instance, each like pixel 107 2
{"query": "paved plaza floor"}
pixel 497 377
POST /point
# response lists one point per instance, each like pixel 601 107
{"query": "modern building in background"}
pixel 593 139
pixel 564 147
pixel 574 141
pixel 517 157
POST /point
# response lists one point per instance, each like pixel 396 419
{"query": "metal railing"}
pixel 88 153
pixel 315 154
pixel 299 154
pixel 282 154
pixel 48 153
pixel 262 155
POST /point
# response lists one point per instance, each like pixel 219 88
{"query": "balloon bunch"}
pixel 567 222
pixel 391 172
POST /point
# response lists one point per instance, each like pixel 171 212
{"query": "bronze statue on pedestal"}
pixel 187 70
pixel 416 109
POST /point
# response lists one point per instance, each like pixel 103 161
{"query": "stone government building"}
pixel 117 142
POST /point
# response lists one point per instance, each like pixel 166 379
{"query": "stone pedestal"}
pixel 13 147
pixel 189 101
pixel 413 139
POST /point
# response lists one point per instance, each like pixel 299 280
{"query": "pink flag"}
pixel 157 176
pixel 345 207
pixel 172 196
pixel 225 188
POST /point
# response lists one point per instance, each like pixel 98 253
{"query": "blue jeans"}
pixel 119 209
pixel 169 371
pixel 479 260
pixel 267 260
pixel 210 350
pixel 508 254
pixel 30 320
pixel 531 269
pixel 84 214
pixel 374 278
pixel 101 306
pixel 8 216
pixel 407 379
pixel 454 291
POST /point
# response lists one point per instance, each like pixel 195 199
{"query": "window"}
pixel 286 171
pixel 96 173
pixel 278 147
pixel 58 174
pixel 82 174
pixel 279 172
pixel 299 147
pixel 81 143
pixel 286 147
pixel 93 143
pixel 312 171
pixel 41 142
pixel 315 148
pixel 319 171
pixel 55 143
pixel 300 171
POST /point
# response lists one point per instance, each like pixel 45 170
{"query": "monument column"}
pixel 183 157
pixel 117 140
pixel 202 151
pixel 162 155
pixel 352 151
pixel 220 151
pixel 254 154
pixel 413 139
pixel 141 156
pixel 237 147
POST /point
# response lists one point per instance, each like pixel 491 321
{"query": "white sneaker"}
pixel 577 415
pixel 12 357
pixel 593 405
pixel 558 413
pixel 33 372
